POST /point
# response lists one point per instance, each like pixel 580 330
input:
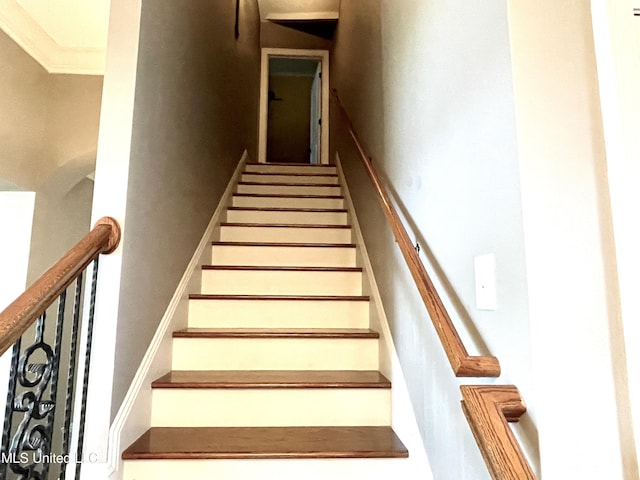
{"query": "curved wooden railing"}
pixel 488 409
pixel 463 364
pixel 24 311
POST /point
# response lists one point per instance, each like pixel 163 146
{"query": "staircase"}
pixel 278 361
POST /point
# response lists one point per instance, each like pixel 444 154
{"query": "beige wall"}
pixel 24 89
pixel 63 199
pixel 485 122
pixel 288 119
pixel 59 221
pixel 571 257
pixel 73 117
pixel 48 138
pixel 47 119
pixel 195 111
pixel 617 40
pixel 429 88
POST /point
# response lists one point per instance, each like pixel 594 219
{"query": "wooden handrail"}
pixel 463 364
pixel 19 315
pixel 488 409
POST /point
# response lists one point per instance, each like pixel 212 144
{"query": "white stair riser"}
pixel 267 469
pixel 274 407
pixel 274 256
pixel 285 202
pixel 273 282
pixel 275 354
pixel 289 168
pixel 301 217
pixel 289 190
pixel 258 178
pixel 278 314
pixel 284 234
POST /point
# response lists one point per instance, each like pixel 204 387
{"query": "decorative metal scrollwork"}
pixel 35 400
pixel 30 428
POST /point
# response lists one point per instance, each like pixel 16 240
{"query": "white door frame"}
pixel 315 130
pixel 323 56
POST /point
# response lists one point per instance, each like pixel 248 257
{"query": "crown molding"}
pixel 34 40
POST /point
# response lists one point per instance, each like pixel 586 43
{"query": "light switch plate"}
pixel 485 272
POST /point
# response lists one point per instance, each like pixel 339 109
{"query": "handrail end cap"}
pixel 114 236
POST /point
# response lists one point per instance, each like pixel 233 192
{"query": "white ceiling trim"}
pixel 302 16
pixel 27 33
pixel 298 9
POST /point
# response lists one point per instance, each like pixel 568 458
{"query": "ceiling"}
pixel 70 36
pixel 64 36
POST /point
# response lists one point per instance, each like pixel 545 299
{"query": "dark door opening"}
pixel 294 110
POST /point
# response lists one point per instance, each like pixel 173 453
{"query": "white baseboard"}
pixel 133 417
pixel 403 415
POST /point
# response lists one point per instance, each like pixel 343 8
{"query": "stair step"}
pixel 283 254
pixel 291 189
pixel 299 183
pixel 283 468
pixel 276 333
pixel 271 399
pixel 289 168
pixel 272 379
pixel 275 349
pixel 287 233
pixel 302 201
pixel 287 215
pixel 270 280
pixel 278 311
pixel 264 177
pixel 266 442
pixel 290 209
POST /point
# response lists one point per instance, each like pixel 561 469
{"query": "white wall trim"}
pixel 403 416
pixel 16 216
pixel 133 417
pixel 323 56
pixel 34 40
pixel 303 16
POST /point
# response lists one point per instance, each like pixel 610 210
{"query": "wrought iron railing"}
pixel 51 329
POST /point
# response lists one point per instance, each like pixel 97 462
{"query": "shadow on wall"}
pixel 62 213
pixel 8 186
pixel 70 173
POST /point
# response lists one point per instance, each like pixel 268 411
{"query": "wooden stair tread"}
pixel 266 442
pixel 282 225
pixel 336 333
pixel 287 209
pixel 261 268
pixel 331 298
pixel 284 195
pixel 284 244
pixel 291 184
pixel 272 379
